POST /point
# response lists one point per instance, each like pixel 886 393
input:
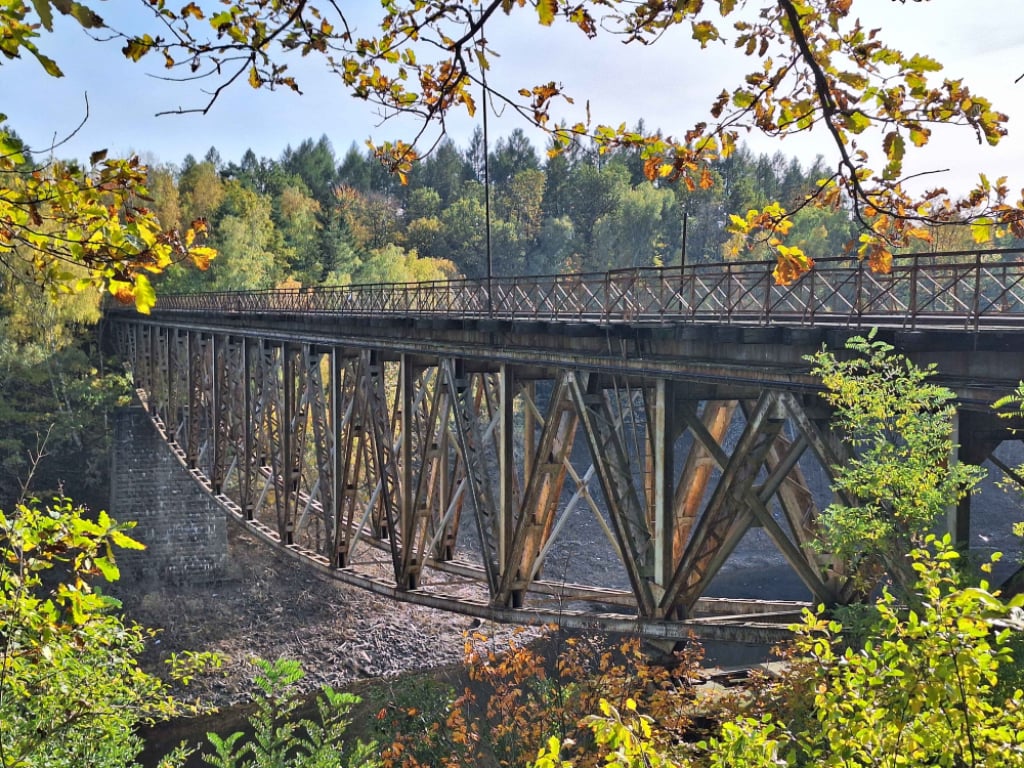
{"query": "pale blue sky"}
pixel 670 85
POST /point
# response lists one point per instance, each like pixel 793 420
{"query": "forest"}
pixel 312 218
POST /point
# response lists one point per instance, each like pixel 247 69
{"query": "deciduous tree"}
pixel 901 478
pixel 921 691
pixel 54 214
pixel 813 66
pixel 71 690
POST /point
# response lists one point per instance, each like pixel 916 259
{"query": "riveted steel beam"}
pixel 613 469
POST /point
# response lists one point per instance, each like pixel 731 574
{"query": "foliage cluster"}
pixel 521 696
pixel 71 690
pixel 283 221
pixel 900 479
pixel 54 395
pixel 923 690
pixel 311 217
pixel 813 65
pixel 71 227
pixel 280 737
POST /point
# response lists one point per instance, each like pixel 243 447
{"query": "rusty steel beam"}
pixel 535 515
pixel 441 478
pixel 613 468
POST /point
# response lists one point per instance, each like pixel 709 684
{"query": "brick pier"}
pixel 183 528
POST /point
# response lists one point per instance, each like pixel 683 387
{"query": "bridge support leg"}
pixel 183 528
pixel 662 440
pixel 958 516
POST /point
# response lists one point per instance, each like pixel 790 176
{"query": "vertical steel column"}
pixel 661 441
pixel 178 366
pixel 407 514
pixel 355 457
pixel 216 399
pixel 383 453
pixel 248 458
pixel 167 335
pixel 958 516
pixel 148 377
pixel 447 484
pixel 195 348
pixel 289 470
pixel 335 402
pixel 506 463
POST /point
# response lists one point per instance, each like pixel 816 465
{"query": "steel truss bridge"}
pixel 455 444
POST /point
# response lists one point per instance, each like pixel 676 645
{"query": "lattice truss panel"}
pixel 485 487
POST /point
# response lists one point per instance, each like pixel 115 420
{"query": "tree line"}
pixel 312 218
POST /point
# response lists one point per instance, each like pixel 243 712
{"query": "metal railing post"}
pixel 728 292
pixel 912 306
pixel 976 304
pixel 767 297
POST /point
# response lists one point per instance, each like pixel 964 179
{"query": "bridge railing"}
pixel 971 289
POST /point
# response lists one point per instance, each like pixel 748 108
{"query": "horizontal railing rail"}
pixel 972 290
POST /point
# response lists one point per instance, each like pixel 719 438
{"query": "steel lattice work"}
pixel 465 461
pixel 455 487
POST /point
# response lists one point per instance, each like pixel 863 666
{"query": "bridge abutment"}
pixel 183 528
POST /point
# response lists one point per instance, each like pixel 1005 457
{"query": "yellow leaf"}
pixel 546 11
pixel 145 296
pixel 981 230
pixel 201 257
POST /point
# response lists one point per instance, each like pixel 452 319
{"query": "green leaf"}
pixel 981 229
pixel 924 63
pixel 704 32
pixel 919 136
pixel 137 47
pixel 742 99
pixel 124 541
pixel 220 20
pixel 858 121
pixel 45 13
pixel 84 15
pixel 49 65
pixel 108 568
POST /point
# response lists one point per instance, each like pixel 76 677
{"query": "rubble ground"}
pixel 270 606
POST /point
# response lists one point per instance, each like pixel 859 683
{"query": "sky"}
pixel 669 85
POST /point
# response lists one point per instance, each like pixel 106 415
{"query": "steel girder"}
pixel 452 483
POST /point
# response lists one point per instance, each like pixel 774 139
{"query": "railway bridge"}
pixel 455 444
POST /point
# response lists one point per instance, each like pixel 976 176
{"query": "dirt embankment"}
pixel 271 607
